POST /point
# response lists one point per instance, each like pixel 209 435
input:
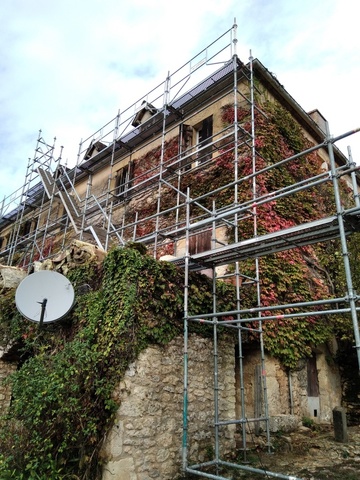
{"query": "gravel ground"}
pixel 310 455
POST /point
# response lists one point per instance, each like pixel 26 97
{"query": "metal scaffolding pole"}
pixel 176 220
pixel 257 269
pixel 162 152
pixel 186 341
pixel 352 298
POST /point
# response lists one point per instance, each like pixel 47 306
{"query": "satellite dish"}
pixel 45 296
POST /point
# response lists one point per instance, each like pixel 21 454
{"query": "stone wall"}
pixel 6 368
pixel 146 439
pixel 287 392
pixel 350 381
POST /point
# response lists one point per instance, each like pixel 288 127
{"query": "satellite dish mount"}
pixel 50 290
pixel 42 314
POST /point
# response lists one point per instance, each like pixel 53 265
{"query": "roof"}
pixel 196 96
pixel 97 155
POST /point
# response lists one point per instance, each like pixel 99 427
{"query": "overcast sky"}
pixel 68 66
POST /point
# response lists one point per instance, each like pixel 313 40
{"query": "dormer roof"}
pixel 146 112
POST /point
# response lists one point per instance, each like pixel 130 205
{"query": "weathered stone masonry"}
pixel 146 439
pixel 6 368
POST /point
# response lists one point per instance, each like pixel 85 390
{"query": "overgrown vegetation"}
pixel 300 274
pixel 62 393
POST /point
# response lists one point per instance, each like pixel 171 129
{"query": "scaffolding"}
pixel 146 166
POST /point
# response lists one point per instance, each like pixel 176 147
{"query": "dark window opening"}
pixel 123 181
pixel 185 136
pixel 25 228
pixel 200 242
pixel 205 133
pixel 312 377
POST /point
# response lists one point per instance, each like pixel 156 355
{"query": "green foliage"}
pixel 11 323
pixel 331 259
pixel 302 274
pixel 286 279
pixel 62 394
pixel 307 422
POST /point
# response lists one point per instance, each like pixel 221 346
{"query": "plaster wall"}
pixel 287 392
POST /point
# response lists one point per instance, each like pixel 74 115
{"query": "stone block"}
pixel 121 470
pixel 340 425
pixel 283 423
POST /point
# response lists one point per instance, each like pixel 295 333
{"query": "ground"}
pixel 309 454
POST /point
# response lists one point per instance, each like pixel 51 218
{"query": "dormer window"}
pixel 146 112
pixel 94 148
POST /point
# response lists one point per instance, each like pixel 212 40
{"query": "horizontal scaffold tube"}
pixel 266 473
pixel 273 307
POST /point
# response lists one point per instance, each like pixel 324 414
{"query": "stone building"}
pixel 216 170
pixel 145 439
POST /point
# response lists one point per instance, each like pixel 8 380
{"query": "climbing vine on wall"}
pixel 62 393
pixel 295 275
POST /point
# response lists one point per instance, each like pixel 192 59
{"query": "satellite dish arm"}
pixel 42 314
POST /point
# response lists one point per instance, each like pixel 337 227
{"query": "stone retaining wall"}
pixel 6 368
pixel 146 439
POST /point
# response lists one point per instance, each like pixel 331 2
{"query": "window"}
pixel 123 181
pixel 204 139
pixel 185 140
pixel 25 228
pixel 201 242
pixel 146 112
pixel 93 149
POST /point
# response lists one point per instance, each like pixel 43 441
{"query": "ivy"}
pixel 62 393
pixel 300 274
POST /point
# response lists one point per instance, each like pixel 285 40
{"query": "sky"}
pixel 66 68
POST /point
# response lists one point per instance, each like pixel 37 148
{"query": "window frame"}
pixel 204 136
pixel 123 181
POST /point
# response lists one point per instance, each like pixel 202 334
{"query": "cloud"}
pixel 69 67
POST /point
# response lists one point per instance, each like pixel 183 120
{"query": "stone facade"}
pixel 10 277
pixel 287 392
pixel 146 439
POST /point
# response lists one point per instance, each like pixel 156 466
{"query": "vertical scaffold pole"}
pixel 161 172
pixel 186 334
pixel 216 375
pixel 240 358
pixel 352 165
pixel 339 211
pixel 255 232
pixel 110 203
